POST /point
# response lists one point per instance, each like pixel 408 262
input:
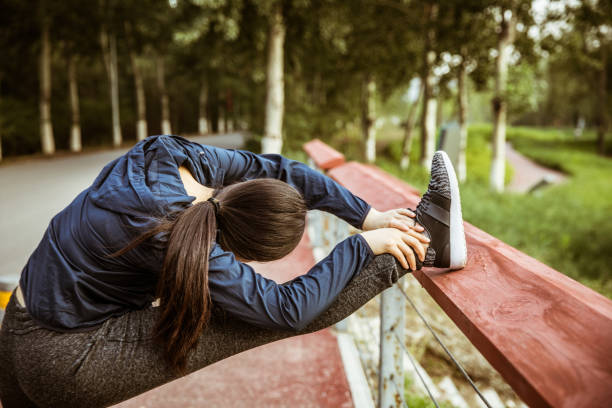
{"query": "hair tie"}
pixel 215 203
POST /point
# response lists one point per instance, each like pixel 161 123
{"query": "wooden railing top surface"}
pixel 323 155
pixel 549 336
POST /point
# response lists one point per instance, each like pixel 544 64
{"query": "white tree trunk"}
pixel 229 111
pixel 226 119
pixel 368 116
pixel 463 111
pixel 272 141
pixel 1 119
pixel 203 103
pixel 602 98
pixel 429 129
pixel 141 102
pixel 222 121
pixel 428 113
pixel 237 120
pixel 46 127
pixel 409 131
pixel 165 105
pixel 430 103
pixel 114 79
pixel 75 129
pixel 498 161
pixel 109 52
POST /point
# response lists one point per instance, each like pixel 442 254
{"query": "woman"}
pixel 173 222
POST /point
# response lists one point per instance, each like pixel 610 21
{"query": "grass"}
pixel 415 399
pixel 567 226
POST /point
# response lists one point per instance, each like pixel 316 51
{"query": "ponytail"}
pixel 183 284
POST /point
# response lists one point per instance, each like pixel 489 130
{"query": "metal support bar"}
pixel 391 372
pixel 452 357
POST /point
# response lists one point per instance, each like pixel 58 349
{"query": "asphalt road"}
pixel 33 191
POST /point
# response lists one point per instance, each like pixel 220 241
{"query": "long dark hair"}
pixel 258 220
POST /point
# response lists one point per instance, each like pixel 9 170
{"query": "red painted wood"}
pixel 323 155
pixel 549 336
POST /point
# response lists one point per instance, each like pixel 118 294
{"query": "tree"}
pixel 408 126
pixel 160 65
pixel 593 20
pixel 368 115
pixel 272 141
pixel 509 14
pixel 75 128
pixel 108 42
pixel 430 102
pixel 499 102
pixel 1 117
pixel 142 130
pixel 203 105
pixel 46 126
pixel 221 43
pixel 76 25
pixel 365 58
pixel 466 37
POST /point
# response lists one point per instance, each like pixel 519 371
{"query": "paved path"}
pixel 527 173
pixel 303 371
pixel 32 191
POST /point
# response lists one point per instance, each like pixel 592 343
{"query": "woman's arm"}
pixel 217 167
pixel 214 166
pixel 247 295
pixel 319 191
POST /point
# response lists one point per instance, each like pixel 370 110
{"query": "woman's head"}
pixel 260 220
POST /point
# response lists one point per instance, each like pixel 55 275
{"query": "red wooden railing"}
pixel 324 156
pixel 549 336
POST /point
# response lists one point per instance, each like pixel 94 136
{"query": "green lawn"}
pixel 567 226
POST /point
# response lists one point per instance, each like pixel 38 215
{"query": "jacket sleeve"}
pixel 319 191
pixel 247 295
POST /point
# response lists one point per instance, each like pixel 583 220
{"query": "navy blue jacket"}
pixel 70 282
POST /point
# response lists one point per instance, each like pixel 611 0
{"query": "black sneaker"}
pixel 439 212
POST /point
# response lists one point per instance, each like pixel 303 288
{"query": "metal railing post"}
pixel 391 370
pixel 315 223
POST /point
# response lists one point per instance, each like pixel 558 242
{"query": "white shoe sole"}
pixel 458 253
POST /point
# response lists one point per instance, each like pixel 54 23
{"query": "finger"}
pixel 418 227
pixel 399 255
pixel 407 223
pixel 416 245
pixel 409 254
pixel 400 225
pixel 406 212
pixel 410 222
pixel 420 237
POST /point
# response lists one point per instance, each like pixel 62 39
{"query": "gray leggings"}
pixel 118 359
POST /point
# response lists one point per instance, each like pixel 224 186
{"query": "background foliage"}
pixel 559 76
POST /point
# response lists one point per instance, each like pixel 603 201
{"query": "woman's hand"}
pixel 401 218
pixel 398 243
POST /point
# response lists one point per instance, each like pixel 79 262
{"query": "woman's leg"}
pixel 232 336
pixel 11 393
pixel 119 360
pixel 226 336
